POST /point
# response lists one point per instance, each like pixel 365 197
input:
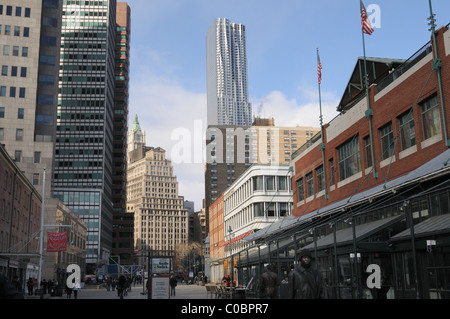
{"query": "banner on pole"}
pixel 56 241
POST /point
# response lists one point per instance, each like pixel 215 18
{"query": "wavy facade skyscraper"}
pixel 227 83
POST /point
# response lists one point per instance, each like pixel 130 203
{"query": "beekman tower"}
pixel 227 84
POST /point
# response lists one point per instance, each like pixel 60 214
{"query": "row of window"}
pixel 8 10
pixel 349 155
pixel 12 91
pixel 13 71
pixel 15 50
pixel 7 31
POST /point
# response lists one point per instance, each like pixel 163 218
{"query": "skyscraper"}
pixel 29 40
pixel 122 221
pixel 83 173
pixel 227 84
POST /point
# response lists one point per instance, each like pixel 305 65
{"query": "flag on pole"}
pixel 365 22
pixel 319 69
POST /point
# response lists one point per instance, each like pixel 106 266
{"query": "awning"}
pixel 432 226
pixel 345 236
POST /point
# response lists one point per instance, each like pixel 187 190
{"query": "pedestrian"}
pixel 30 285
pixel 173 284
pixel 108 283
pixel 75 290
pixel 68 292
pixel 44 285
pixel 305 281
pixel 121 286
pixel 268 283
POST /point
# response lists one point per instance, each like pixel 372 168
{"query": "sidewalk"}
pixel 182 291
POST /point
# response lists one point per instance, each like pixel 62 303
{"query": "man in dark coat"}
pixel 268 283
pixel 305 281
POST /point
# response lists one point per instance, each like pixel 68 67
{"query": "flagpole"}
pixel 369 112
pixel 322 146
pixel 41 237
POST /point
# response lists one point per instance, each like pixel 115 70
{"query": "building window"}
pixel 37 157
pixel 36 179
pixel 270 209
pixel 270 183
pixel 2 112
pixel 309 184
pixel 320 179
pixel 300 190
pixel 431 119
pixel 19 134
pixel 258 209
pixel 407 131
pixel 368 151
pixel 349 158
pixel 17 156
pixel 282 183
pixel 283 209
pixel 332 171
pixel 387 141
pixel 21 113
pixel 6 50
pixel 258 183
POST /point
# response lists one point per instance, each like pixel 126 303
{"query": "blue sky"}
pixel 168 65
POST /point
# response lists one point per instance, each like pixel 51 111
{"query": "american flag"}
pixel 319 69
pixel 365 22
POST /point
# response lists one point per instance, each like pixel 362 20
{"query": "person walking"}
pixel 121 286
pixel 268 283
pixel 68 292
pixel 305 281
pixel 75 290
pixel 173 284
pixel 30 285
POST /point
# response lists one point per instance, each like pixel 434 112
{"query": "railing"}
pixel 309 143
pixel 405 66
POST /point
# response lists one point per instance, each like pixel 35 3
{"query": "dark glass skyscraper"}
pixel 83 172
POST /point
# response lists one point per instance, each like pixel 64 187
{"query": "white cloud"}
pixel 292 113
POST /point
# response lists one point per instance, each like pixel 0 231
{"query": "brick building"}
pixel 20 221
pixel 384 169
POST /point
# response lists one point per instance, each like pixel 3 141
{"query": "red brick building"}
pixel 407 123
pixel 20 221
pixel 385 168
pixel 375 188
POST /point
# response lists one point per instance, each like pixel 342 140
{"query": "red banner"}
pixel 56 241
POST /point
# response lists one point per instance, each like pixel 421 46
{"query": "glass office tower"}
pixel 85 121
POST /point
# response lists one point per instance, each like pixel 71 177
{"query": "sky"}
pixel 168 63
